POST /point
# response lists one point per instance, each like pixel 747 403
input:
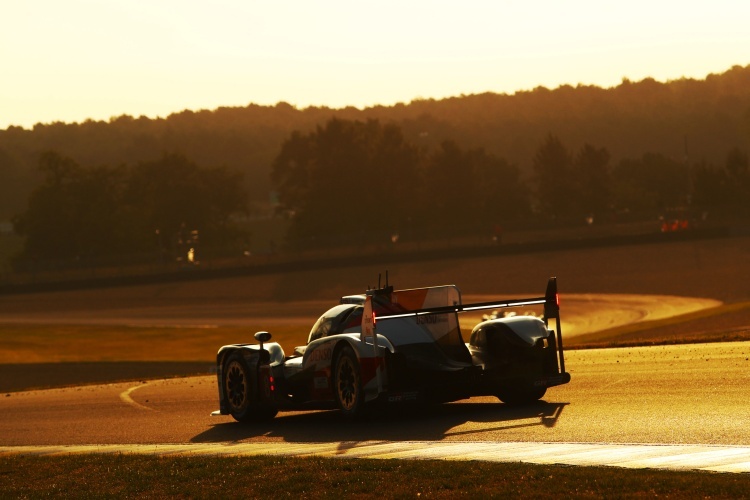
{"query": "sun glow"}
pixel 70 61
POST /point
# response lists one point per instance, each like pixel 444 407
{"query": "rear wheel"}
pixel 240 387
pixel 521 396
pixel 347 383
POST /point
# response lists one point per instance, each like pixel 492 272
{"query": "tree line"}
pixel 352 181
pixel 155 210
pixel 349 182
pixel 702 119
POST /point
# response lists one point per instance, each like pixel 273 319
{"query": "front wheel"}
pixel 240 388
pixel 347 383
pixel 521 396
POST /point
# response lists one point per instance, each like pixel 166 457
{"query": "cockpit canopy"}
pixel 336 320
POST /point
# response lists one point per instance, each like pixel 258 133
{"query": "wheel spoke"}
pixel 347 384
pixel 235 384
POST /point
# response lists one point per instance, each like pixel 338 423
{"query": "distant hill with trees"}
pixel 697 120
pixel 150 190
pixel 152 212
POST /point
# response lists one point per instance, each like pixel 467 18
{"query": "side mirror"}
pixel 262 337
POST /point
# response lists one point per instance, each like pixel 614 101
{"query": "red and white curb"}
pixel 715 458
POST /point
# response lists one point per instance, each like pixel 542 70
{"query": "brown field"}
pixel 717 268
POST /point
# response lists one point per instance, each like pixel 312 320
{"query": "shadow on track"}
pixel 431 423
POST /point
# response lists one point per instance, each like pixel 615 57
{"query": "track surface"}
pixel 690 394
pixel 675 395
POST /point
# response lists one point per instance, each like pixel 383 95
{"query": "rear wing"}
pixel 550 300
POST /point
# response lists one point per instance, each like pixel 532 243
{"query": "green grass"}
pixel 103 476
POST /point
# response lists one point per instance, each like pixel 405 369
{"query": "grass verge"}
pixel 40 343
pixel 103 476
pixel 36 356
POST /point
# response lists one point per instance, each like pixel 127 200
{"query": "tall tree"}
pixel 449 180
pixel 653 183
pixel 738 178
pixel 553 170
pixel 173 194
pixel 471 190
pixel 74 213
pixel 83 214
pixel 593 180
pixel 504 198
pixel 347 181
pixel 711 188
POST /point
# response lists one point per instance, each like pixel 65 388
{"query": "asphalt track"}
pixel 666 406
pixel 673 407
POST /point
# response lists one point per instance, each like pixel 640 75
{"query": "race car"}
pixel 391 346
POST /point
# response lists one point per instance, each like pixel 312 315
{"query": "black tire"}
pixel 519 397
pixel 347 383
pixel 240 389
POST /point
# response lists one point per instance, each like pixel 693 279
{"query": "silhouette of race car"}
pixel 395 346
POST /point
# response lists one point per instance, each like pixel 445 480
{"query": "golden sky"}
pixel 71 60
